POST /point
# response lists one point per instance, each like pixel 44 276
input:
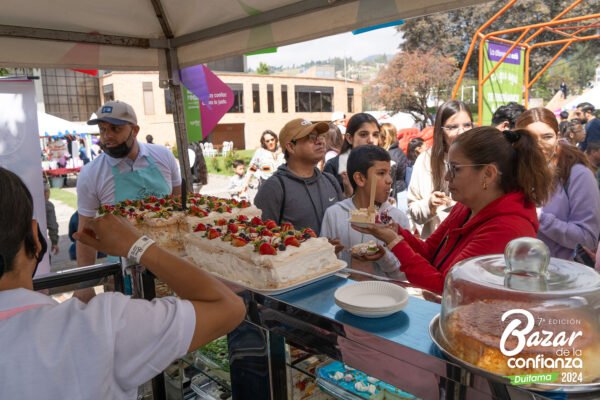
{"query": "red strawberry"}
pixel 270 224
pixel 221 222
pixel 238 241
pixel 148 207
pixel 233 228
pixel 256 221
pixel 267 249
pixel 242 218
pixel 310 232
pixel 156 208
pixel 266 232
pixel 162 201
pixel 291 241
pixel 152 199
pixel 287 227
pixel 251 230
pixel 200 228
pixel 213 234
pixel 243 204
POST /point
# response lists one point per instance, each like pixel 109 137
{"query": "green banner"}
pixel 506 83
pixel 533 378
pixel 191 110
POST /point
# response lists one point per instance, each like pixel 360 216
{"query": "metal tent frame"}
pixel 558 25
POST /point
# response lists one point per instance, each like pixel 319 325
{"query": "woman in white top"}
pixel 428 191
pixel 266 160
pixel 107 348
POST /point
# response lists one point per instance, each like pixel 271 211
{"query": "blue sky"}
pixel 381 41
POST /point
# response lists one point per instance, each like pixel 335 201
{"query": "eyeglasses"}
pixel 313 137
pixel 270 140
pixel 452 169
pixel 455 127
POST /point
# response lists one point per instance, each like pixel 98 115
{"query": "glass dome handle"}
pixel 527 256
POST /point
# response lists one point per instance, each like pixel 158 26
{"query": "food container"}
pixel 524 316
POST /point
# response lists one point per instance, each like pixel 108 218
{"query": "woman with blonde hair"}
pixel 572 215
pixel 389 135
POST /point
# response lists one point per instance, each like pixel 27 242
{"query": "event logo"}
pixel 561 342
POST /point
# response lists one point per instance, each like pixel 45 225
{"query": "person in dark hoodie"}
pixel 497 179
pixel 298 192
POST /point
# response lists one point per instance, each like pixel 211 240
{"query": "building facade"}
pixel 261 102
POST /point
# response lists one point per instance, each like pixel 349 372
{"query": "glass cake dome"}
pixel 525 316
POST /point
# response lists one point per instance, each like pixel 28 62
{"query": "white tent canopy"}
pixel 133 34
pixel 167 35
pixel 591 96
pixel 49 125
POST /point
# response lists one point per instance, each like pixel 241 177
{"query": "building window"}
pixel 350 100
pixel 313 98
pixel 73 96
pixel 270 100
pixel 255 98
pixel 108 92
pixel 168 101
pixel 284 99
pixel 238 97
pixel 148 98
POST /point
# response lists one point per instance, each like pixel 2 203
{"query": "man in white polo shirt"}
pixel 127 169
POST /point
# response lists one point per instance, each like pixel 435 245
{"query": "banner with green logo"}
pixel 191 110
pixel 506 83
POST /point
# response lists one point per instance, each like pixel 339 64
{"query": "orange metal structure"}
pixel 558 25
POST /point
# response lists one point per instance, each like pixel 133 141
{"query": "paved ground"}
pixel 217 186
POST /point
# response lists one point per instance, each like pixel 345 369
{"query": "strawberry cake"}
pixel 163 219
pixel 260 254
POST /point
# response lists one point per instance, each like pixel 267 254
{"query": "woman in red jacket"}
pixel 497 179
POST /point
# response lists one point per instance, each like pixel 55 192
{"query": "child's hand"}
pixel 371 257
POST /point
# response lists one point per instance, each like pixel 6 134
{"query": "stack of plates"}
pixel 371 299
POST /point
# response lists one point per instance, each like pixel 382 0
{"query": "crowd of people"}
pixel 470 193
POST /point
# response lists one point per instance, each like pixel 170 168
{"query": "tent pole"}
pixel 179 119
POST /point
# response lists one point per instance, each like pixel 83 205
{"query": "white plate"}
pixel 372 297
pixel 341 265
pixel 370 314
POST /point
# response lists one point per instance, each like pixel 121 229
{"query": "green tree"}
pixel 263 69
pixel 451 33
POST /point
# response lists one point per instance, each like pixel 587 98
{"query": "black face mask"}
pixel 120 151
pixel 42 252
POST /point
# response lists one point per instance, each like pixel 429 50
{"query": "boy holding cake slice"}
pixel 369 171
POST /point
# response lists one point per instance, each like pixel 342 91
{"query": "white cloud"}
pixel 381 41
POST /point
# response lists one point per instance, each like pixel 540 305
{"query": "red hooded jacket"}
pixel 426 263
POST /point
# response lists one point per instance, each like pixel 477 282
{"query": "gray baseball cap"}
pixel 116 113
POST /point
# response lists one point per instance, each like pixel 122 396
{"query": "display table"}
pixel 396 349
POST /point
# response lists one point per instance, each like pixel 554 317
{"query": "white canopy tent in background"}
pixel 167 35
pixel 591 96
pixel 49 125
